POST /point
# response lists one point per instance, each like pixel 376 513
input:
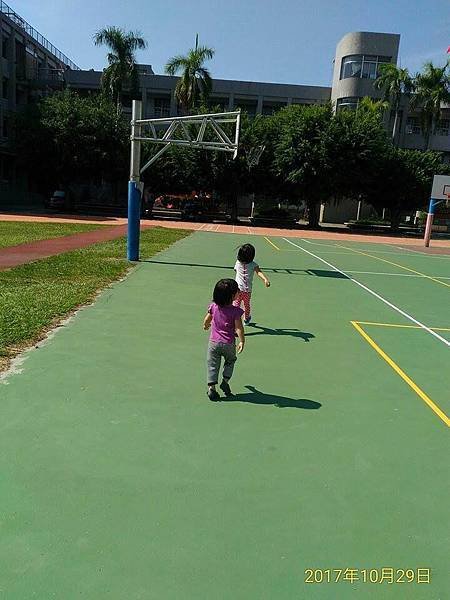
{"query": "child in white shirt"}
pixel 245 268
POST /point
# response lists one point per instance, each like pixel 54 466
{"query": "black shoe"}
pixel 212 394
pixel 226 388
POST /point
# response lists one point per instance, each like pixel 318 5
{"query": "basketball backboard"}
pixel 441 187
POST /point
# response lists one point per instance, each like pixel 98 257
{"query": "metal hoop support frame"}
pixel 196 131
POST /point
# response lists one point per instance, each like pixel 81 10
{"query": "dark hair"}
pixel 246 253
pixel 224 291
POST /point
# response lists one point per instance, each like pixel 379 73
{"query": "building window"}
pixel 6 169
pixel 351 66
pixel 5 127
pixel 221 104
pixel 413 126
pixel 21 96
pixel 162 107
pixel 369 68
pixel 348 103
pixel 5 88
pixel 443 127
pixel 5 41
pixel 363 66
pixel 249 106
pixel 270 108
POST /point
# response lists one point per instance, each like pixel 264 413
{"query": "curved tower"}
pixel 357 60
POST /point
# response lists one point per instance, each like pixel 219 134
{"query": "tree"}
pixel 122 70
pixel 432 90
pixel 401 181
pixel 300 157
pixel 394 82
pixel 195 83
pixel 354 143
pixel 66 139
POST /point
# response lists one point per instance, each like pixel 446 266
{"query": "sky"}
pixel 284 41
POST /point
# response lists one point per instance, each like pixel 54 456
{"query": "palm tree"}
pixel 432 87
pixel 372 107
pixel 195 83
pixel 122 71
pixel 394 81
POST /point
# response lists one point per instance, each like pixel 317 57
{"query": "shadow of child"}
pixel 257 397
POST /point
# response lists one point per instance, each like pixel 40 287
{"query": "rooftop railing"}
pixel 31 31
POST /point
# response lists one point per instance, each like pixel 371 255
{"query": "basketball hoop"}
pixel 214 131
pixel 253 156
pixel 195 131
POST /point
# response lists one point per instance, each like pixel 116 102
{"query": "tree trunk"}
pixel 395 218
pixel 394 128
pixel 118 103
pixel 313 216
pixel 428 132
pixel 234 206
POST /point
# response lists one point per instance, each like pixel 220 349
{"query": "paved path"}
pixel 25 253
pixel 343 235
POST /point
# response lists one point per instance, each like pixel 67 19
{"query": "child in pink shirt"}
pixel 225 321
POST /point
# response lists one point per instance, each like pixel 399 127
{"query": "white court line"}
pixel 405 250
pixel 233 229
pixel 339 252
pixel 248 229
pixel 201 227
pixel 396 274
pixel 317 243
pixel 336 245
pixel 391 274
pixel 396 308
pixel 218 227
pixel 425 254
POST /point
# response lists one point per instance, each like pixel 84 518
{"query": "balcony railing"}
pixel 31 31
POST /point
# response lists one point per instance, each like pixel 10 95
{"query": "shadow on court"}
pixel 257 397
pixel 323 273
pixel 282 271
pixel 304 335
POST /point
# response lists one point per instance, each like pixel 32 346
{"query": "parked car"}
pixel 57 200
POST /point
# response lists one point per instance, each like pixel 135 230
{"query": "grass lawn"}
pixel 35 295
pixel 13 233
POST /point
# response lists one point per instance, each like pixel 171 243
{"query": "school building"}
pixel 31 67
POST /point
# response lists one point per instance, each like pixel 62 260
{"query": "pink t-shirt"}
pixel 222 325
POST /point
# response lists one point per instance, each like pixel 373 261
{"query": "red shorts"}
pixel 244 298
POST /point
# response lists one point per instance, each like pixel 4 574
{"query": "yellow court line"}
pixel 396 265
pixel 402 374
pixel 271 243
pixel 400 326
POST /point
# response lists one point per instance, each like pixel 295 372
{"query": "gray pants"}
pixel 217 350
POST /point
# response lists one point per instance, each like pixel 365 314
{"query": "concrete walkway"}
pixel 26 253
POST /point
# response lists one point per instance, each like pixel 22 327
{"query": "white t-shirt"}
pixel 244 275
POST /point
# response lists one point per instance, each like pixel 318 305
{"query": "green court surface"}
pixel 121 480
